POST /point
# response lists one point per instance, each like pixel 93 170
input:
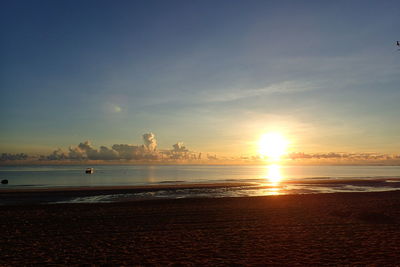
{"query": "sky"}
pixel 213 74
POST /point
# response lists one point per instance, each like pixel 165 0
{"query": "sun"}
pixel 272 145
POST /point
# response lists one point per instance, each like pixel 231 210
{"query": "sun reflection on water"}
pixel 274 192
pixel 274 175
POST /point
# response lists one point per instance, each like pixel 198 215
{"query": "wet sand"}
pixel 16 196
pixel 319 229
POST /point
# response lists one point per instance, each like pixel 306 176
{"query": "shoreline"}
pixel 313 229
pixel 132 188
pixel 126 193
pixel 24 196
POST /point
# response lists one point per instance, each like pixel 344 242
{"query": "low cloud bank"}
pixel 147 151
pixel 9 156
pixel 343 155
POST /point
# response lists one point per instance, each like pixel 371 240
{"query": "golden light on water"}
pixel 274 175
pixel 272 146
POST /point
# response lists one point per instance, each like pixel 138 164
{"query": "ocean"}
pixel 262 180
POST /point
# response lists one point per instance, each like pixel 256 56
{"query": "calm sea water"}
pixel 265 180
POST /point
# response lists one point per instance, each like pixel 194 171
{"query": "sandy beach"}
pixel 317 229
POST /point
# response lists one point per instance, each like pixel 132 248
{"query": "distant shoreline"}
pixel 194 163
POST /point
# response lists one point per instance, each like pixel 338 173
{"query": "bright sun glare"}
pixel 274 175
pixel 272 145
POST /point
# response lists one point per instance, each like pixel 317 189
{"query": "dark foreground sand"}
pixel 323 229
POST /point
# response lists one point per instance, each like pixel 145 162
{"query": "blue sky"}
pixel 214 74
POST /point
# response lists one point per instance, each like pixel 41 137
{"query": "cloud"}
pixel 76 153
pixel 281 88
pixel 179 147
pixel 86 150
pixel 9 156
pixel 106 153
pixel 125 151
pixel 150 142
pixel 89 150
pixel 180 152
pixel 342 155
pixel 57 154
pixel 149 151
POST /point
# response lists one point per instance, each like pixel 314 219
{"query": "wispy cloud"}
pixel 284 87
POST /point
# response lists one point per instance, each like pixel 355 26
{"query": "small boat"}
pixel 89 170
pixel 5 181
